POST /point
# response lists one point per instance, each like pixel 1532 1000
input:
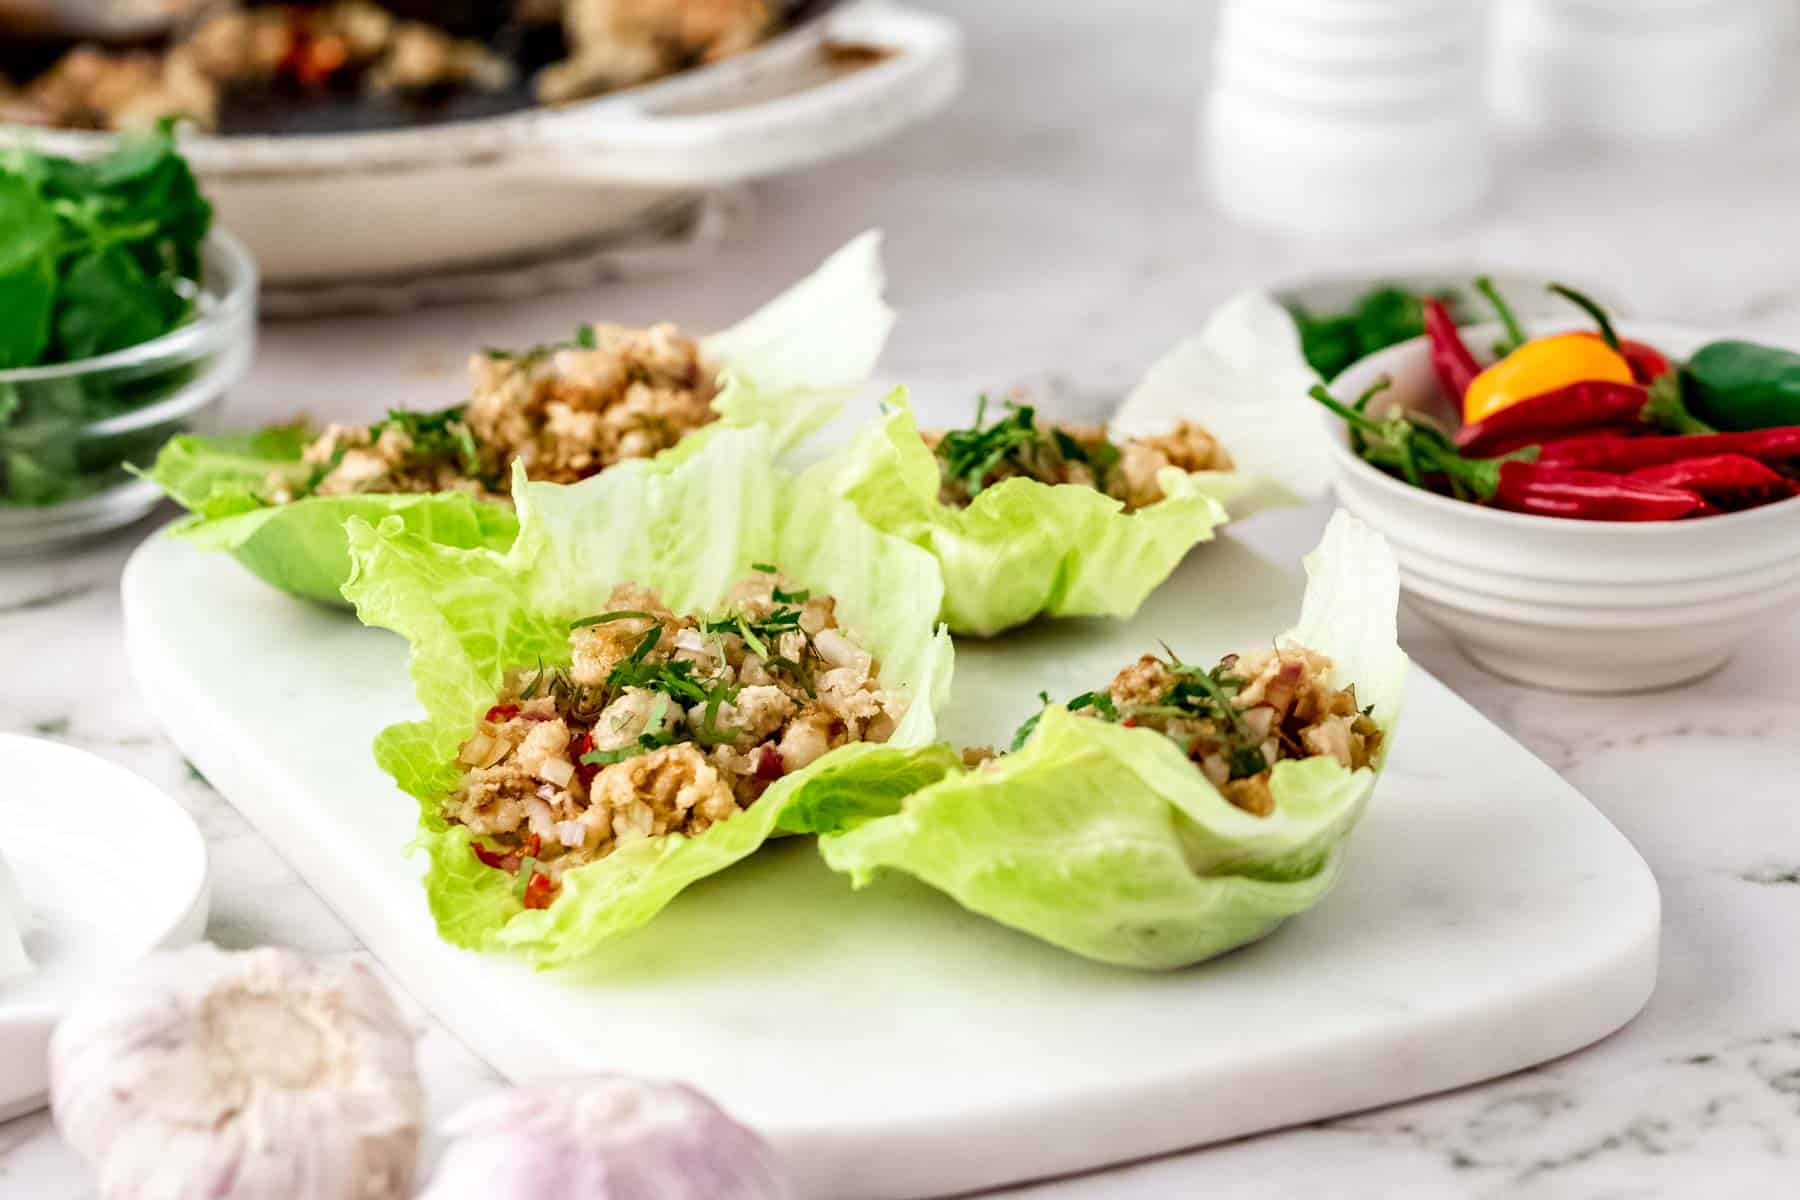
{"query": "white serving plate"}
pixel 110 868
pixel 354 205
pixel 891 1044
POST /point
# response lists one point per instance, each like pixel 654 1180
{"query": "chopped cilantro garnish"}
pixel 1100 702
pixel 584 339
pixel 1197 694
pixel 624 614
pixel 970 459
pixel 440 434
pixel 646 645
pixel 759 634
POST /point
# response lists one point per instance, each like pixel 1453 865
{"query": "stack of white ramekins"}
pixel 1636 70
pixel 1372 116
pixel 1347 116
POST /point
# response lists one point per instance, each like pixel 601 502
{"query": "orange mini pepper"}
pixel 1543 365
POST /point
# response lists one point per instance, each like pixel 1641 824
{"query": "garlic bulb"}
pixel 15 921
pixel 259 1075
pixel 603 1137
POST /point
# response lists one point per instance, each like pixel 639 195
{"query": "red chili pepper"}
pixel 1728 480
pixel 1618 452
pixel 768 764
pixel 1516 483
pixel 1529 487
pixel 490 858
pixel 539 891
pixel 1450 355
pixel 1586 406
pixel 533 843
pixel 1648 364
pixel 582 746
pixel 501 713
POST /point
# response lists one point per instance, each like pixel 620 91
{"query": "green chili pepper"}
pixel 1738 386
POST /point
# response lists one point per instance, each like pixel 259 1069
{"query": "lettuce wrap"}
pixel 688 527
pixel 1242 377
pixel 1023 549
pixel 1107 841
pixel 788 366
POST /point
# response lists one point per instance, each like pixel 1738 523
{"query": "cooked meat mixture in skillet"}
pixel 974 459
pixel 1236 721
pixel 360 47
pixel 308 46
pixel 566 412
pixel 621 43
pixel 662 724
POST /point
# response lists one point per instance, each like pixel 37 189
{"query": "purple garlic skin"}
pixel 603 1137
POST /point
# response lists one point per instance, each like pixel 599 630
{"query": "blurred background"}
pixel 1081 202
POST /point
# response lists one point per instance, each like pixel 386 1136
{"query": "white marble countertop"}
pixel 1048 232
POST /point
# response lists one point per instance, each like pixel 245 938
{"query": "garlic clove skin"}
pixel 259 1075
pixel 603 1137
pixel 15 922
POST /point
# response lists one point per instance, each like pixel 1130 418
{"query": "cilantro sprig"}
pixel 95 257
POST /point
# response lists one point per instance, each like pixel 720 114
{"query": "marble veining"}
pixel 1047 235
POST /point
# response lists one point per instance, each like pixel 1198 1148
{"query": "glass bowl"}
pixel 68 432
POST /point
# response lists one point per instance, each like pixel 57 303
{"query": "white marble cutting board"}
pixel 891 1044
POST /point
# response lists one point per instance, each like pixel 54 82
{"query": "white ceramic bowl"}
pixel 1583 606
pixel 139 889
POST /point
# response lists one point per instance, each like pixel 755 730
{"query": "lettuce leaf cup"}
pixel 1180 812
pixel 675 661
pixel 1239 377
pixel 1030 519
pixel 278 501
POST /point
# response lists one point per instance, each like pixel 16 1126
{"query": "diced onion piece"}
pixel 540 818
pixel 840 651
pixel 475 751
pixel 557 771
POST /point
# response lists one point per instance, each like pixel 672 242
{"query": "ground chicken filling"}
pixel 355 46
pixel 346 45
pixel 566 412
pixel 1236 721
pixel 660 725
pixel 620 43
pixel 975 459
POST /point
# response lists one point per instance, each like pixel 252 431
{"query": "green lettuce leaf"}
pixel 792 363
pixel 1106 841
pixel 690 528
pixel 1244 378
pixel 1023 549
pixel 299 547
pixel 789 367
